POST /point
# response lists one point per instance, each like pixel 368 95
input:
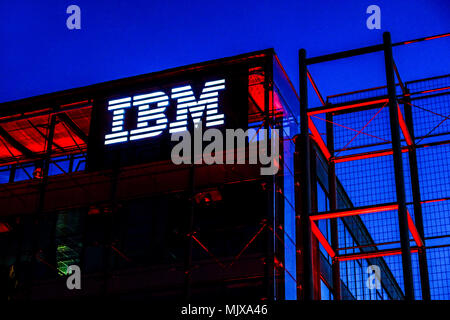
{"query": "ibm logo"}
pixel 151 118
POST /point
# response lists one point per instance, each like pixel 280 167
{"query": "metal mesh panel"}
pixel 370 180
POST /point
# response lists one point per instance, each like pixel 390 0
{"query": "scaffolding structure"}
pixel 352 146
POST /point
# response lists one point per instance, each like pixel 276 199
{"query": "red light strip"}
pixel 375 254
pixel 351 129
pixel 74 103
pixel 348 106
pixel 207 251
pixel 120 253
pixel 362 129
pixel 404 128
pixel 247 245
pixel 367 155
pixel 357 211
pixel 318 139
pixel 323 241
pixel 413 230
pixel 431 90
pixel 435 200
pixel 422 39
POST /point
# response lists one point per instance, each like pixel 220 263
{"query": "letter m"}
pixel 187 103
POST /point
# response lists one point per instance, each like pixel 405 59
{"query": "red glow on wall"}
pixel 4 227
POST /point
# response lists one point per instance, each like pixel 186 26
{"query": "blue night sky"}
pixel 126 38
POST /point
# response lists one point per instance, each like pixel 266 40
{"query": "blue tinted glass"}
pixel 59 166
pixel 79 164
pixel 4 174
pixel 324 291
pixel 24 173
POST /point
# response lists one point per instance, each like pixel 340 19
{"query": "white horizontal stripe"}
pixel 117 123
pixel 190 98
pixel 116 140
pixel 219 116
pixel 214 123
pixel 154 116
pixel 146 135
pixel 159 121
pixel 181 89
pixel 182 94
pixel 212 106
pixel 118 111
pixel 211 111
pixel 184 105
pixel 175 130
pixel 196 114
pixel 119 106
pixel 148 95
pixel 117 129
pixel 115 135
pixel 209 89
pixel 212 100
pixel 153 128
pixel 194 109
pixel 178 123
pixel 118 118
pixel 181 117
pixel 153 100
pixel 157 110
pixel 208 95
pixel 119 100
pixel 213 83
pixel 142 124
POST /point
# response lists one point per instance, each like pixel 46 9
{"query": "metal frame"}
pixel 398 122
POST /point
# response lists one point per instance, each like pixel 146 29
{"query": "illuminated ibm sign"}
pixel 151 108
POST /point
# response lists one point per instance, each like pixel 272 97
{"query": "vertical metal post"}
pixel 418 216
pixel 315 249
pixel 398 166
pixel 110 224
pixel 190 230
pixel 41 200
pixel 335 267
pixel 190 222
pixel 303 210
pixel 270 283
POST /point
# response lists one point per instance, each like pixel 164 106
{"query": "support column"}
pixel 398 167
pixel 40 203
pixel 415 186
pixel 335 266
pixel 303 205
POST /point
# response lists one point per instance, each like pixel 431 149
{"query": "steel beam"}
pixel 20 147
pixel 415 186
pixel 332 195
pixel 398 167
pixel 374 254
pixel 73 126
pixel 303 209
